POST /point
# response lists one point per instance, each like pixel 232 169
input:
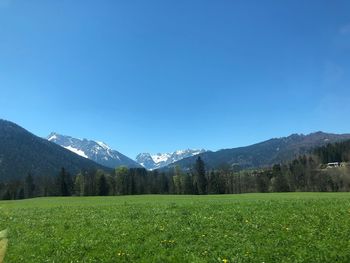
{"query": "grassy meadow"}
pixel 289 227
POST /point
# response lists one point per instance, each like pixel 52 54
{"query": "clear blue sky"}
pixel 155 76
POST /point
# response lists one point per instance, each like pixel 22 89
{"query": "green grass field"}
pixel 292 227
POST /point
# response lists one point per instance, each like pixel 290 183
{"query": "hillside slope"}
pixel 21 153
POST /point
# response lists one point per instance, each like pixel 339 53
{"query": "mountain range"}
pixel 97 151
pixel 103 154
pixel 160 160
pixel 265 153
pixel 22 152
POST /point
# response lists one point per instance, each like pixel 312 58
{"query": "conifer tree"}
pixel 103 188
pixel 200 179
pixel 29 186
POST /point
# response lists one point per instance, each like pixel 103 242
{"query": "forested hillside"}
pixel 266 153
pixel 337 152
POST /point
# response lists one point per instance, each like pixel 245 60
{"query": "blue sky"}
pixel 156 76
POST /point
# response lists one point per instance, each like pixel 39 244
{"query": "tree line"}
pixel 305 173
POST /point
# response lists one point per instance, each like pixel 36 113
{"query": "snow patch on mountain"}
pixel 77 151
pixel 53 137
pixel 103 145
pixel 161 157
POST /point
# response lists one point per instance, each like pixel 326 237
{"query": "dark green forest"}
pixel 306 173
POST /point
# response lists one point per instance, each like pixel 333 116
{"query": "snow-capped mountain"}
pixel 159 160
pixel 94 150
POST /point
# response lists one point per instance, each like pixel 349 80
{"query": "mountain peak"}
pixel 103 145
pixel 97 151
pixel 159 160
pixel 52 136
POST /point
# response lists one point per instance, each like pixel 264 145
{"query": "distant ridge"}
pixel 21 152
pixel 263 154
